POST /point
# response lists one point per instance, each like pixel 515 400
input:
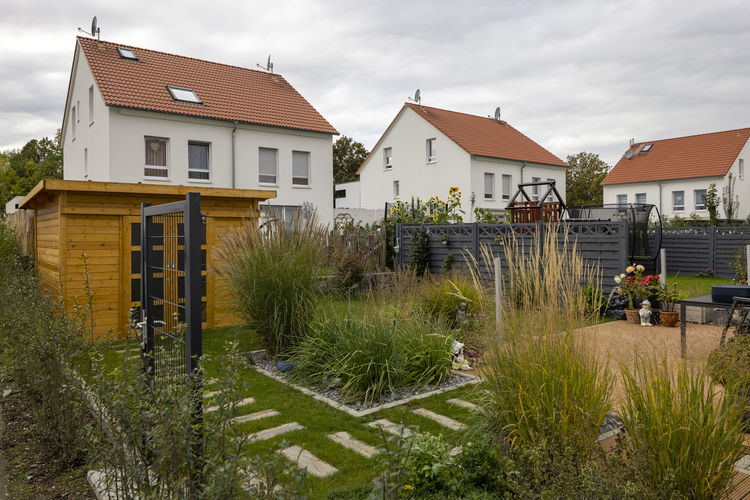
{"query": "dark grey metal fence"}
pixel 691 250
pixel 602 243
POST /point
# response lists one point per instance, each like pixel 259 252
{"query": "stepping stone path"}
pixel 253 416
pixel 390 427
pixel 345 439
pixel 441 419
pixel 242 402
pixel 463 404
pixel 211 394
pixel 275 431
pixel 306 460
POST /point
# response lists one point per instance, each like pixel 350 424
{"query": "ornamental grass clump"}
pixel 369 360
pixel 685 436
pixel 275 273
pixel 443 296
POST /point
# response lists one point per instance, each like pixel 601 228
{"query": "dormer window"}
pixel 184 95
pixel 127 54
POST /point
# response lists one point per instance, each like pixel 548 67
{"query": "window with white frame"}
pixel 198 161
pixel 268 165
pixel 549 198
pixel 640 198
pixel 300 168
pixel 156 158
pixel 700 202
pixel 387 153
pixel 507 182
pixel 678 201
pixel 622 201
pixel 431 150
pixel 535 189
pixel 396 189
pixel 742 169
pixel 91 105
pixel 489 186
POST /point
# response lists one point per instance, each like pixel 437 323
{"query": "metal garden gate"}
pixel 171 288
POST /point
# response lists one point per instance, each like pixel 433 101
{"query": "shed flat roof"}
pixel 48 185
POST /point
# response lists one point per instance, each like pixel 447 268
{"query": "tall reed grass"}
pixel 275 273
pixel 685 436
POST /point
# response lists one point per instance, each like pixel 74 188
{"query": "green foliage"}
pixel 594 299
pixel 349 272
pixel 275 274
pixel 370 360
pixel 447 264
pixel 668 295
pixel 546 386
pixel 708 273
pixel 739 265
pixel 419 260
pixel 582 178
pixel 40 349
pixel 730 363
pixel 711 201
pixel 21 169
pixel 434 211
pixel 348 155
pixel 684 436
pixel 485 216
pixel 444 294
pixel 730 201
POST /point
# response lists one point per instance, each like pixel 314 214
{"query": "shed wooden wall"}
pixel 99 225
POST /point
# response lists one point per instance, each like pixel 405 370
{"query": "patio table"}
pixel 703 301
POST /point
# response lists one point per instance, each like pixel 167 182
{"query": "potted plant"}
pixel 668 297
pixel 629 284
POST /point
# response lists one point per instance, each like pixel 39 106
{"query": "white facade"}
pixel 347 195
pixel 411 174
pixel 105 143
pixel 10 207
pixel 662 193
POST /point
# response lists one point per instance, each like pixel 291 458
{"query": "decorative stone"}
pixel 463 404
pixel 743 464
pixel 253 416
pixel 390 427
pixel 211 394
pixel 306 460
pixel 276 431
pixel 441 419
pixel 346 440
pixel 242 402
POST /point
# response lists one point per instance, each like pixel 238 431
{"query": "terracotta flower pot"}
pixel 669 318
pixel 633 316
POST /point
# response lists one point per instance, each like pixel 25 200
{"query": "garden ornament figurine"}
pixel 645 313
pixel 459 361
pixel 461 315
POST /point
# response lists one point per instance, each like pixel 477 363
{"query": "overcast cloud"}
pixel 573 76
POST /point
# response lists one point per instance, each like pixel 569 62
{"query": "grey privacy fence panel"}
pixel 691 250
pixel 601 243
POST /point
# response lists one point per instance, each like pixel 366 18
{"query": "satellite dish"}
pixel 269 65
pixel 418 96
pixel 93 26
pixel 628 154
pixel 497 113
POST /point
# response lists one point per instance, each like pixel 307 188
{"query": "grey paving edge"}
pixel 470 379
pixel 608 434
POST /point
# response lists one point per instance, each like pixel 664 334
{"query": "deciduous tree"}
pixel 348 155
pixel 21 169
pixel 585 172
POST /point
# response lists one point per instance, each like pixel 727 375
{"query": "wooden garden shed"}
pixel 102 221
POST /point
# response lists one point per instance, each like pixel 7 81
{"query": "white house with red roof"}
pixel 426 150
pixel 138 115
pixel 675 174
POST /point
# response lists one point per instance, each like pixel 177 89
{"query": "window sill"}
pixel 267 184
pixel 162 179
pixel 301 187
pixel 201 181
pixel 91 123
pixel 431 162
pixel 388 169
pixel 489 199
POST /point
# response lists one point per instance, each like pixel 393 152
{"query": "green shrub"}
pixel 730 363
pixel 349 273
pixel 546 387
pixel 684 436
pixel 275 274
pixel 40 349
pixel 444 294
pixel 372 359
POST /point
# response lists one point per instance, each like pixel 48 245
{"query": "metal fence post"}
pixel 712 248
pixel 663 270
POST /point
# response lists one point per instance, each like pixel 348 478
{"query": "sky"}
pixel 572 75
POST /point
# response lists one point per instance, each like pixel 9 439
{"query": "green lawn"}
pixel 319 419
pixel 693 286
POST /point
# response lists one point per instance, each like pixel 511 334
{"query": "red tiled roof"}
pixel 704 155
pixel 227 92
pixel 482 136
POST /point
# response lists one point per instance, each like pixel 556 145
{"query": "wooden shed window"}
pixel 156 158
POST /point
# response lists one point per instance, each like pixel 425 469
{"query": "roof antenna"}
pixel 269 65
pixel 95 30
pixel 417 97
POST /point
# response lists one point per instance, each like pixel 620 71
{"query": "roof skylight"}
pixel 184 95
pixel 127 53
pixel 646 148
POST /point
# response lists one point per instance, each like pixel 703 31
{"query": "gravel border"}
pixel 265 365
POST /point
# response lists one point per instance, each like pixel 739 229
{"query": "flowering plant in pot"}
pixel 633 284
pixel 668 297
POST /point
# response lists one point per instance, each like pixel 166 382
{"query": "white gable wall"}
pixel 85 145
pixel 407 139
pixel 660 192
